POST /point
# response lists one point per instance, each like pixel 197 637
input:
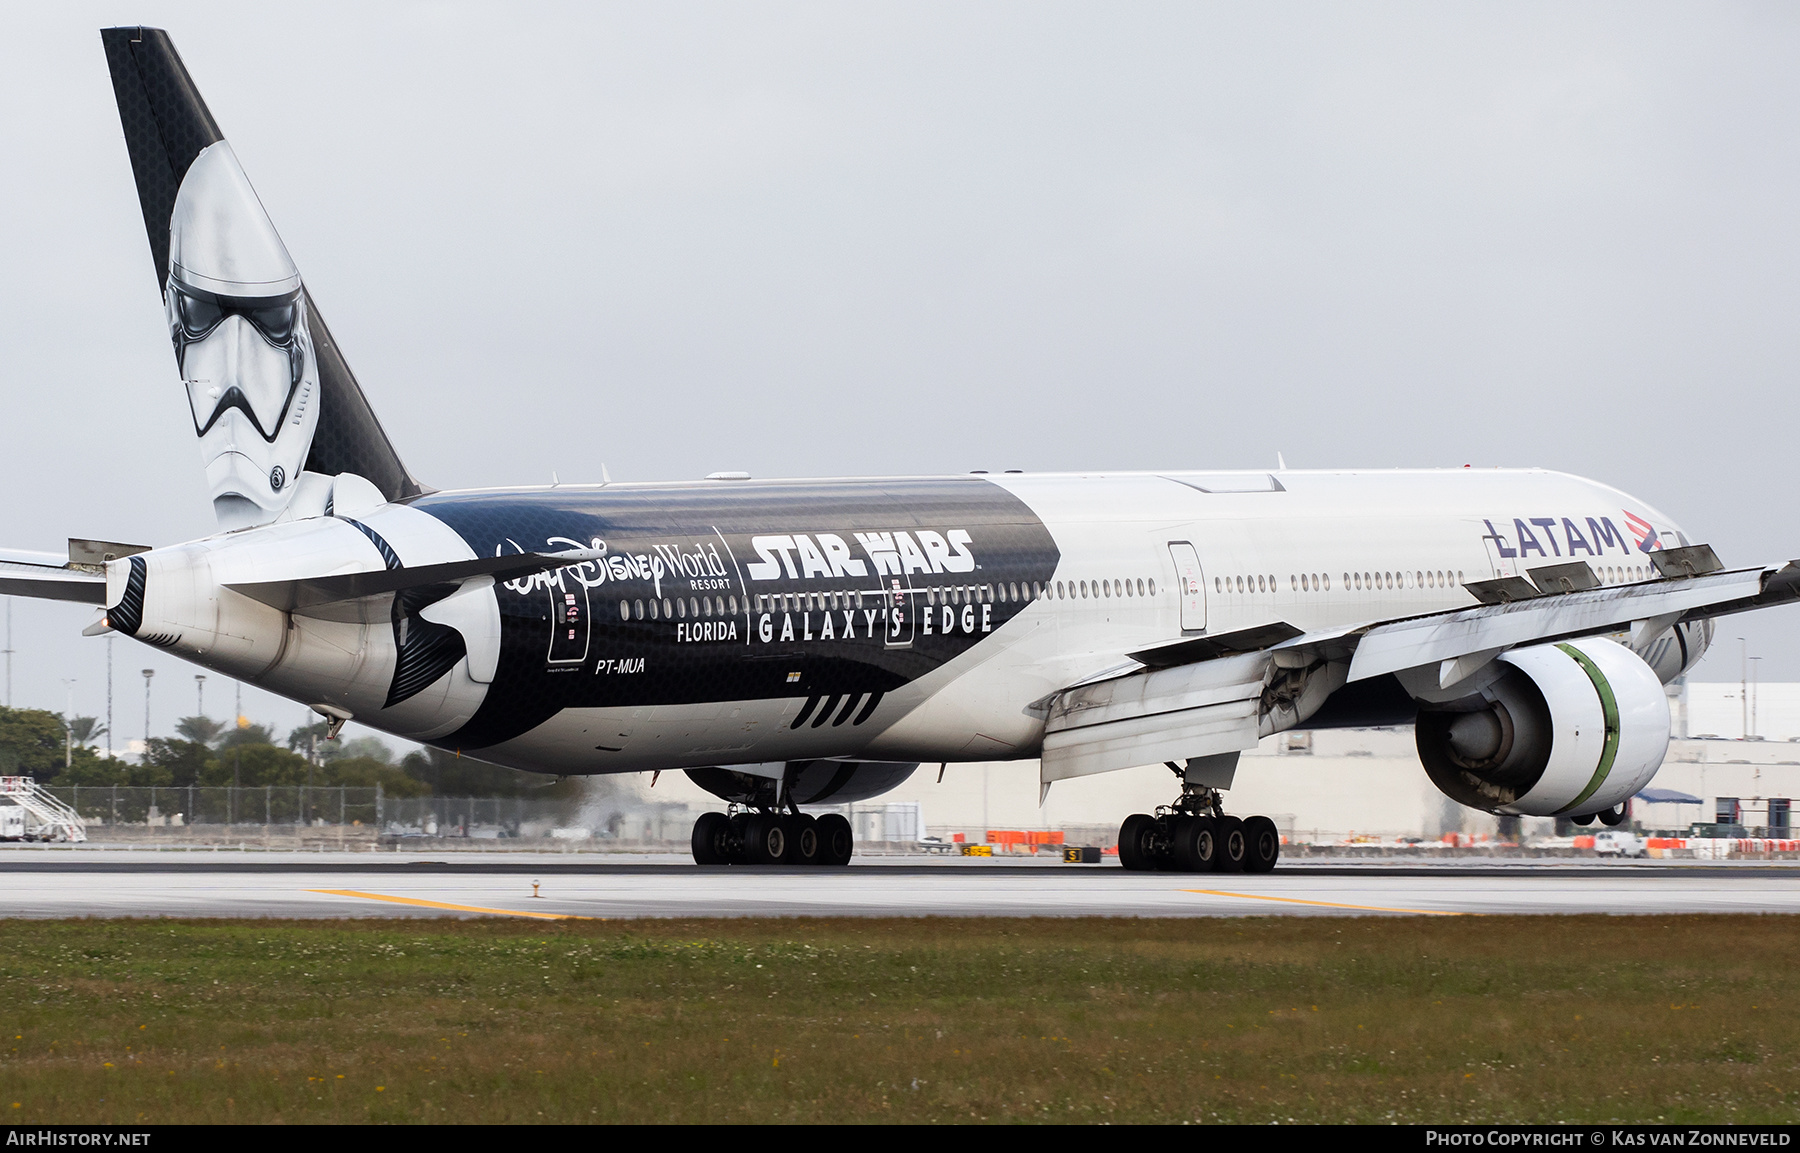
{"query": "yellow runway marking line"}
pixel 1330 904
pixel 454 908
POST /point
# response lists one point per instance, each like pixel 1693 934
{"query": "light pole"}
pixel 1744 683
pixel 200 694
pixel 1754 668
pixel 9 652
pixel 109 717
pixel 148 673
pixel 68 721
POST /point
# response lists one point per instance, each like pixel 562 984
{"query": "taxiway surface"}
pixel 92 883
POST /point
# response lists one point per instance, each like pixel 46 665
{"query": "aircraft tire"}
pixel 1196 844
pixel 1614 816
pixel 712 839
pixel 1136 836
pixel 1234 846
pixel 836 841
pixel 803 839
pixel 1583 819
pixel 1262 841
pixel 766 841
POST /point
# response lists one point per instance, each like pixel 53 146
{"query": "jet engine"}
pixel 1564 729
pixel 803 782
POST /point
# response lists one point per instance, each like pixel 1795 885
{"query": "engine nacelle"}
pixel 1564 729
pixel 804 782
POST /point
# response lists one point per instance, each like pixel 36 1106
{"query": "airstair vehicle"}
pixel 44 817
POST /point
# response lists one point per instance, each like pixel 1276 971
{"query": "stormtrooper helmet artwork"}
pixel 237 316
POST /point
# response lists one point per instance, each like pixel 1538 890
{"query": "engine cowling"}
pixel 1564 729
pixel 804 782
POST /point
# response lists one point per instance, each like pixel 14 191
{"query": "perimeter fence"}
pixel 314 806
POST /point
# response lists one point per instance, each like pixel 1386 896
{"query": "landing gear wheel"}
pixel 803 839
pixel 1137 842
pixel 1195 845
pixel 1614 815
pixel 836 841
pixel 1583 819
pixel 1168 852
pixel 1263 845
pixel 765 840
pixel 712 839
pixel 736 846
pixel 1234 847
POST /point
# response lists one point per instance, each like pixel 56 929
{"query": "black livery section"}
pixel 423 650
pixel 167 125
pixel 829 592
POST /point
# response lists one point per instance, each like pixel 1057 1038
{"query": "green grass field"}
pixel 1680 1019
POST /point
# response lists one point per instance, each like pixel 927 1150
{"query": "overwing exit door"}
pixel 1190 583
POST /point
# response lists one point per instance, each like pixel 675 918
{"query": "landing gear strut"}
pixel 1194 834
pixel 750 835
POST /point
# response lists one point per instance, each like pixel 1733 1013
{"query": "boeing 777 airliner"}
pixel 797 642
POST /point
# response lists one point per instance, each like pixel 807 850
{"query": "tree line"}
pixel 59 752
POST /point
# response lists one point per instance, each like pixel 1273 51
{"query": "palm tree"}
pixel 200 730
pixel 86 731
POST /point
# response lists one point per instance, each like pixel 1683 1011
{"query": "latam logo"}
pixel 1540 535
pixel 800 556
pixel 1640 528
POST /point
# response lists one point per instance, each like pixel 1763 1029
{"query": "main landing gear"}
pixel 761 836
pixel 1194 835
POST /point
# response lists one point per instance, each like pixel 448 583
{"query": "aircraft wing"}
pixel 1391 647
pixel 1204 696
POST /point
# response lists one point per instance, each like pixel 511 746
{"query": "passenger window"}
pixel 694 606
pixel 1153 586
pixel 732 601
pixel 624 610
pixel 653 610
pixel 640 610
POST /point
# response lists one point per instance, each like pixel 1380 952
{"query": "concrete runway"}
pixel 93 883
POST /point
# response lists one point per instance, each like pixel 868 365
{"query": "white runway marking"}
pixel 125 884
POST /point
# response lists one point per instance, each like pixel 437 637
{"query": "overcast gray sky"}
pixel 824 239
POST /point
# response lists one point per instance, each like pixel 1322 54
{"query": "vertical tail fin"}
pixel 271 394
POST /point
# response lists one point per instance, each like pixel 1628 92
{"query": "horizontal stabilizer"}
pixel 313 592
pixel 52 583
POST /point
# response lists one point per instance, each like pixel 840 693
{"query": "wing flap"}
pixel 1191 710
